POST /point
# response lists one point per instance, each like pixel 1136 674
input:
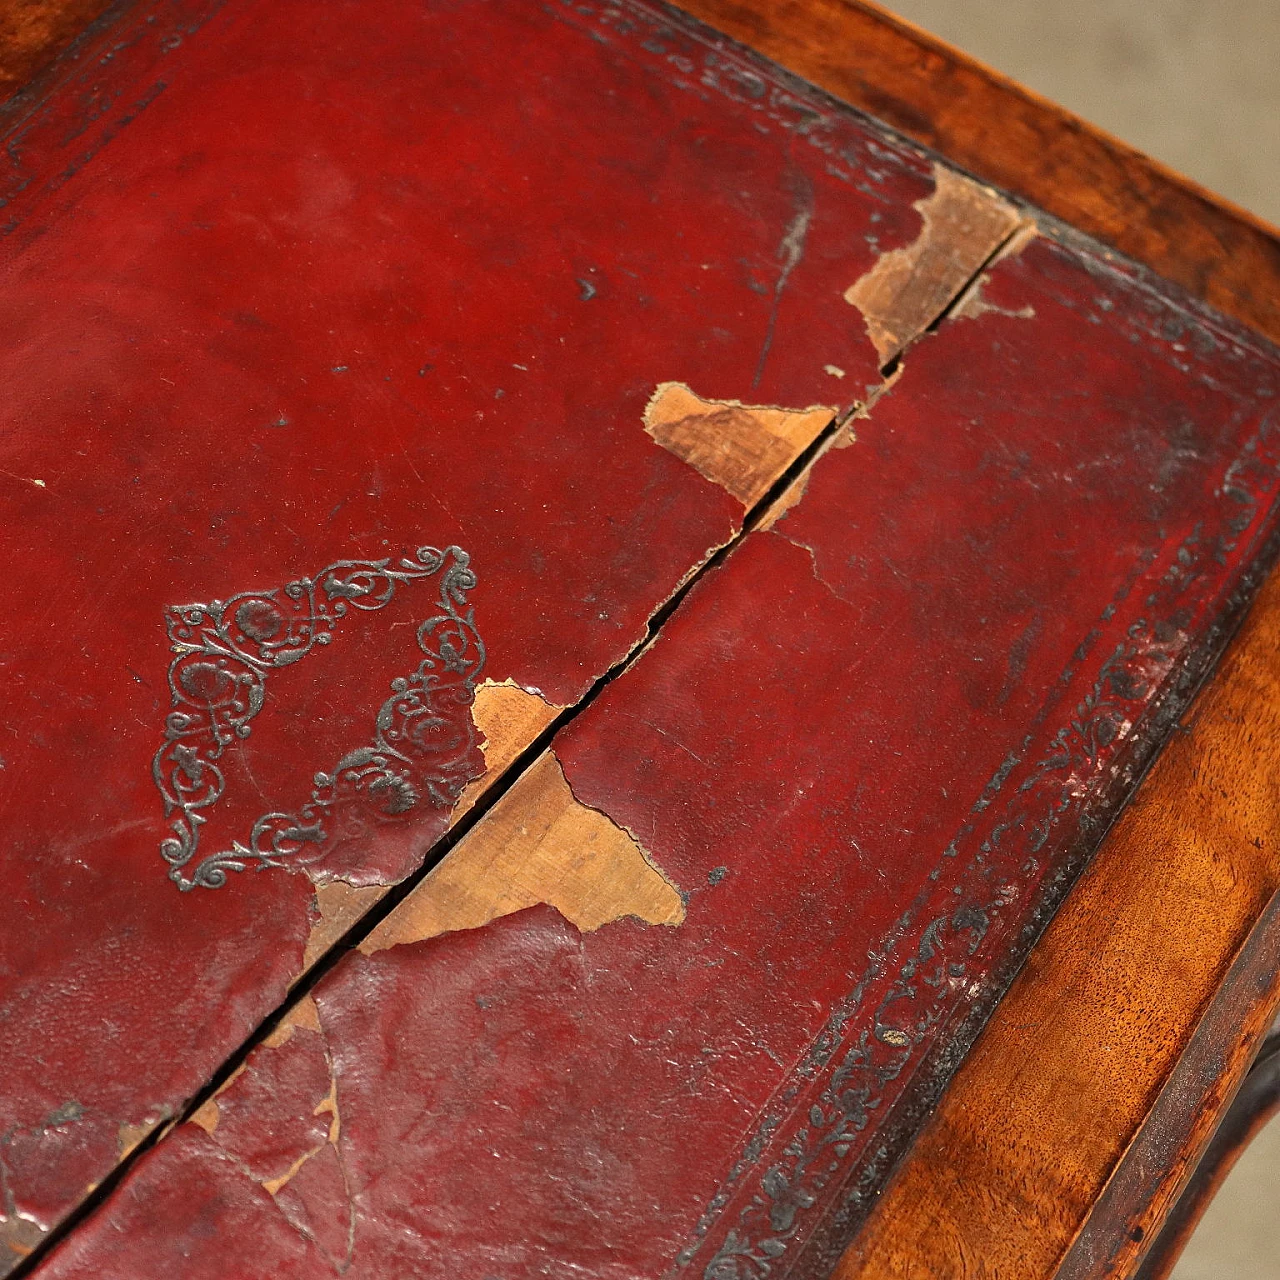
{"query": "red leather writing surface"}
pixel 870 748
pixel 288 286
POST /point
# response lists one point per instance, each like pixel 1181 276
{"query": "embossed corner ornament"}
pixel 224 651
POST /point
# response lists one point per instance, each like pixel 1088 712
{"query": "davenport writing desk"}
pixel 605 613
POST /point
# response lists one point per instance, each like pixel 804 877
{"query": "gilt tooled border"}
pixel 224 651
pixel 789 1174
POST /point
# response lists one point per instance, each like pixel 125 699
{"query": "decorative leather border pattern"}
pixel 225 650
pixel 809 1154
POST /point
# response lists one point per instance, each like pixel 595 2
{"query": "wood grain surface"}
pixel 1008 135
pixel 1074 1061
pixel 538 844
pixel 34 32
pixel 1254 1107
pixel 1171 1153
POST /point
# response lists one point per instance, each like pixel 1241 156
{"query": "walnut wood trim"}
pixel 1097 1081
pixel 34 32
pixel 1011 137
pixel 1175 1164
pixel 1255 1104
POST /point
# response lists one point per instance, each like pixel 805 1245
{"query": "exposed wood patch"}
pixel 538 844
pixel 340 905
pixel 207 1115
pixel 303 1014
pixel 509 717
pixel 19 1236
pixel 743 448
pixel 907 289
pixel 129 1135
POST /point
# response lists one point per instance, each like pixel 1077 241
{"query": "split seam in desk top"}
pixel 454 427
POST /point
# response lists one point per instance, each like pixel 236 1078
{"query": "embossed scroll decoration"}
pixel 224 651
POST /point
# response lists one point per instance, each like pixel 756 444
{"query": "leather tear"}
pixel 129 1135
pixel 302 1014
pixel 742 448
pixel 301 1210
pixel 964 223
pixel 538 844
pixel 787 499
pixel 273 1185
pixel 339 905
pixel 19 1235
pixel 207 1115
pixel 509 717
pixel 973 304
pixel 841 438
pixel 307 1202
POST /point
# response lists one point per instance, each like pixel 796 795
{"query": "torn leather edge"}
pixel 963 224
pixel 538 844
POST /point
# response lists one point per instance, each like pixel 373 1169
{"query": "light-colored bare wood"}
pixel 537 844
pixel 907 289
pixel 509 719
pixel 743 448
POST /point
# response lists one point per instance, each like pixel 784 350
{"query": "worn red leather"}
pixel 870 749
pixel 314 295
pixel 260 332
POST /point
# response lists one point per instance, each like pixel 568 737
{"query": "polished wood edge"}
pixel 1255 1105
pixel 1176 1161
pixel 1120 1043
pixel 999 131
pixel 34 34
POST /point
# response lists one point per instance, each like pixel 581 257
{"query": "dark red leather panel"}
pixel 871 749
pixel 288 285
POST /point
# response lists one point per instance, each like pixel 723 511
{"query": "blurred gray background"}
pixel 1195 83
